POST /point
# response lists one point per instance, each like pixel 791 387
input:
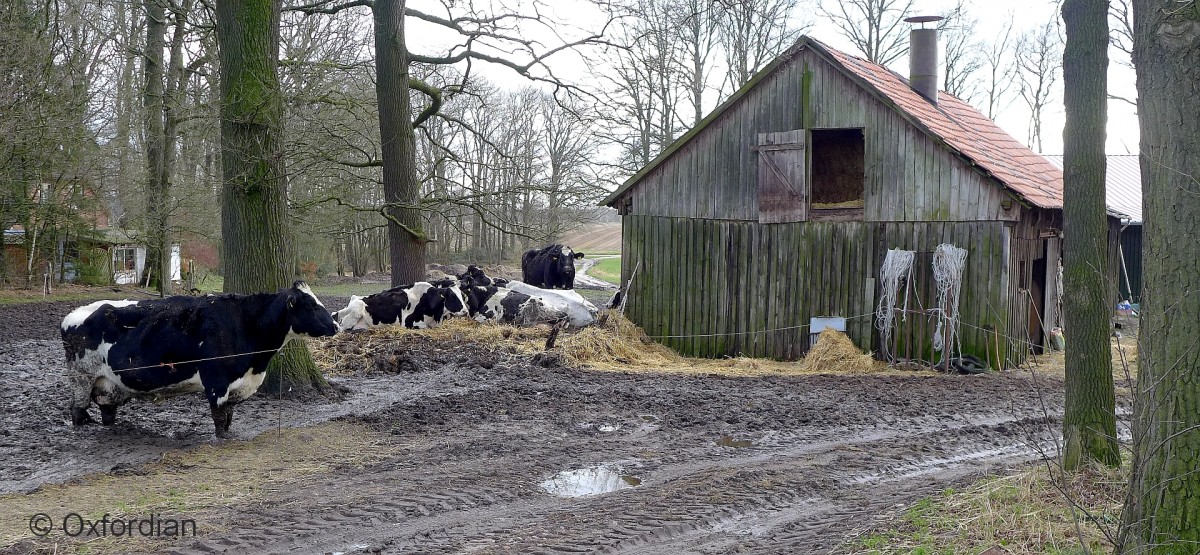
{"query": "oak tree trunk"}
pixel 1089 424
pixel 255 238
pixel 1162 510
pixel 401 189
pixel 158 241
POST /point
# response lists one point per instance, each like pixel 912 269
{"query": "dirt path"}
pixel 762 465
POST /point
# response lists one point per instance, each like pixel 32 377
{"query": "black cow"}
pixel 474 276
pixel 217 344
pixel 508 306
pixel 420 305
pixel 551 267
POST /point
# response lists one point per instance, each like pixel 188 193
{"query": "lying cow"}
pixel 551 267
pixel 420 305
pixel 475 276
pixel 580 311
pixel 217 344
pixel 508 306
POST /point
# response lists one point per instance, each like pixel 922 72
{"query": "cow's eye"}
pixel 554 258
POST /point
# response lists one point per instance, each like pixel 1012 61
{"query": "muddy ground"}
pixel 705 464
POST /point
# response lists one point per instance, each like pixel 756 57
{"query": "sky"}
pixel 1122 136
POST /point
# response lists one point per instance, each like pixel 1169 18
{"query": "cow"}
pixel 580 312
pixel 475 276
pixel 551 267
pixel 508 306
pixel 219 345
pixel 420 305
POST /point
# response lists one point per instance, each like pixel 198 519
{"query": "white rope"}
pixel 948 263
pixel 897 266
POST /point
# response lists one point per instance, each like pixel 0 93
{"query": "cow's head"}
pixel 354 316
pixel 564 258
pixel 452 297
pixel 305 313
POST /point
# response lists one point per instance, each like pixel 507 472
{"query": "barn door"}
pixel 782 196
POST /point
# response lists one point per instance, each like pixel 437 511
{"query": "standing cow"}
pixel 420 305
pixel 550 267
pixel 217 344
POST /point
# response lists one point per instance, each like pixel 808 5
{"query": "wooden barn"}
pixel 781 205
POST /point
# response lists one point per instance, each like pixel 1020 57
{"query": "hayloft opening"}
pixel 837 168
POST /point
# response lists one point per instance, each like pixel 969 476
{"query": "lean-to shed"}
pixel 782 203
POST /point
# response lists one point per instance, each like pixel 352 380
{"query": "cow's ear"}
pixel 291 301
pixel 298 283
pixel 578 255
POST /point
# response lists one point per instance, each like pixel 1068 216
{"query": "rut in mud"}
pixel 702 464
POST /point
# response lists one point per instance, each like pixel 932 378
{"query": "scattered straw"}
pixel 613 344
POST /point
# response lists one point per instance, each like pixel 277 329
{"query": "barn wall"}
pixel 909 175
pixel 723 283
pixel 1131 247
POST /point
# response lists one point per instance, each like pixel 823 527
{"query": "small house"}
pixel 781 205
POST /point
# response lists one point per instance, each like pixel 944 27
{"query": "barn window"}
pixel 782 189
pixel 837 170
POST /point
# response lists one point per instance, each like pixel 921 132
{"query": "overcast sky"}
pixel 992 16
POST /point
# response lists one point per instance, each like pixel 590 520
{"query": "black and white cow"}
pixel 508 306
pixel 580 312
pixel 551 267
pixel 475 276
pixel 420 305
pixel 217 344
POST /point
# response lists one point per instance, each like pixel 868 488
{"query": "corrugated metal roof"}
pixel 1122 184
pixel 957 124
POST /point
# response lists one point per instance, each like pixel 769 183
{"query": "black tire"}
pixel 969 364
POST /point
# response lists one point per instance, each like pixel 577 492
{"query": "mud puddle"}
pixel 590 481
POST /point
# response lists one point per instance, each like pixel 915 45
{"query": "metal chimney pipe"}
pixel 923 59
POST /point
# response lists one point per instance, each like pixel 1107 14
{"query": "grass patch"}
pixel 1023 513
pixel 607 269
pixel 193 484
pixel 70 292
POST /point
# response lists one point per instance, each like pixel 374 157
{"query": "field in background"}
pixel 608 269
pixel 594 239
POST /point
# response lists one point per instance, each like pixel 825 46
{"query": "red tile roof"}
pixel 964 129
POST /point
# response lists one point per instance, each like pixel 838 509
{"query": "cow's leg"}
pixel 108 414
pixel 81 397
pixel 222 416
pixel 217 392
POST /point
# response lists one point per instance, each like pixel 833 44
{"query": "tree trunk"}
pixel 158 240
pixel 1089 424
pixel 1162 510
pixel 255 239
pixel 406 233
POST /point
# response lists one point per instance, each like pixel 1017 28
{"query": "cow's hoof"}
pixel 80 416
pixel 108 414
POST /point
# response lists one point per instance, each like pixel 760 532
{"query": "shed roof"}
pixel 953 122
pixel 1122 184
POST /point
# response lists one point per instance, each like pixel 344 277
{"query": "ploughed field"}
pixel 471 448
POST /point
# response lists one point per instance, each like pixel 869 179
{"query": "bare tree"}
pixel 493 37
pixel 999 72
pixel 700 34
pixel 964 58
pixel 1039 63
pixel 754 32
pixel 875 27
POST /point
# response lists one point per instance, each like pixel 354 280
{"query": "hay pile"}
pixel 615 343
pixel 836 353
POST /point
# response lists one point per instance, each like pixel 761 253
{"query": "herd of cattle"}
pixel 220 345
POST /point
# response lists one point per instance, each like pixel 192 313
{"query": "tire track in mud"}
pixel 784 498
